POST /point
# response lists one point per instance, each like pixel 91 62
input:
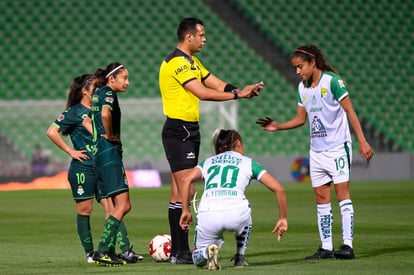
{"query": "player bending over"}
pixel 223 205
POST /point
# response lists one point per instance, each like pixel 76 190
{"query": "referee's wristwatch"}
pixel 235 92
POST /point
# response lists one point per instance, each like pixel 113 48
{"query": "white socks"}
pixel 347 213
pixel 325 221
pixel 325 225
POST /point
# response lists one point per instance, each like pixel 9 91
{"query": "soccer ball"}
pixel 160 247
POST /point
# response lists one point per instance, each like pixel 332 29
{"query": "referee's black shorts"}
pixel 181 141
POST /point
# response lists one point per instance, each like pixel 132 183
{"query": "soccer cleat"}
pixel 89 257
pixel 321 254
pixel 239 260
pixel 184 258
pixel 105 258
pixel 173 259
pixel 212 260
pixel 345 253
pixel 130 256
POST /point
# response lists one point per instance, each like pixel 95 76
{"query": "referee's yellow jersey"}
pixel 176 70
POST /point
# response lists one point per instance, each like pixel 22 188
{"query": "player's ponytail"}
pixel 102 75
pixel 225 140
pixel 75 89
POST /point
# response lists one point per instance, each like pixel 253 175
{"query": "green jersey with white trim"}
pixel 226 178
pixel 328 121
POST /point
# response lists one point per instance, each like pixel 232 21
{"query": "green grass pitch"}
pixel 38 232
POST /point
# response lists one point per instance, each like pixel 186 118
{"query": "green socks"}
pixel 84 231
pixel 122 238
pixel 108 235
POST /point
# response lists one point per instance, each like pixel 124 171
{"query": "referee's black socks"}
pixel 182 235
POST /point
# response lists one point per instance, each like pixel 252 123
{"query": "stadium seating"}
pixel 368 42
pixel 46 43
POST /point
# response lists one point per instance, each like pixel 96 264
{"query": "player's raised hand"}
pixel 267 124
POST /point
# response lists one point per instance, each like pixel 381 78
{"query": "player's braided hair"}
pixel 225 140
pixel 309 52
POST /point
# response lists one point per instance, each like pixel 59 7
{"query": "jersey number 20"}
pixel 223 176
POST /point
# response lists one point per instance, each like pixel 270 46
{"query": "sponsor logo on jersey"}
pixel 181 69
pixel 225 158
pixel 317 128
pixel 61 117
pixel 315 109
pixel 341 83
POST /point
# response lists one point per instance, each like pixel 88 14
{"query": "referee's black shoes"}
pixel 184 258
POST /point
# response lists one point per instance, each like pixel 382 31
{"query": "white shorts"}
pixel 331 166
pixel 211 225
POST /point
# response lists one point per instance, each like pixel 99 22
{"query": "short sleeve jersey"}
pixel 176 70
pixel 226 177
pixel 70 121
pixel 327 119
pixel 104 97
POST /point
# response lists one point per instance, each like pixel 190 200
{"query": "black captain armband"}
pixel 229 87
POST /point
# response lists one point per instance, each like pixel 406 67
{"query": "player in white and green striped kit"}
pixel 324 99
pixel 223 205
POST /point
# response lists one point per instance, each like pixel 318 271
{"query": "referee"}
pixel 184 81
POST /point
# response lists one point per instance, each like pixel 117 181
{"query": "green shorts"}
pixel 112 180
pixel 83 181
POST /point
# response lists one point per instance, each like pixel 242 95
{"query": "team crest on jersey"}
pixel 80 190
pixel 109 99
pixel 317 128
pixel 61 117
pixel 324 92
